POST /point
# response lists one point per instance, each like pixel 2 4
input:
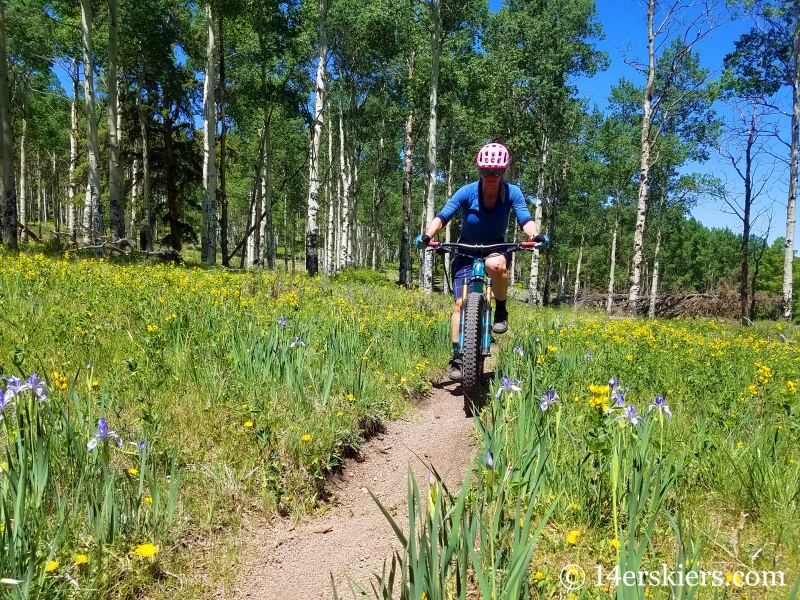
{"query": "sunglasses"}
pixel 491 172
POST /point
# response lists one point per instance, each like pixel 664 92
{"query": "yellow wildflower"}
pixel 51 566
pixel 133 472
pixel 306 437
pixel 248 424
pixel 572 537
pixel 615 543
pixel 81 559
pixel 148 499
pixel 145 550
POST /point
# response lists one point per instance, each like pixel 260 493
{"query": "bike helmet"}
pixel 493 156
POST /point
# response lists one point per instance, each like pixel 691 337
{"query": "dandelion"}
pixel 133 472
pixel 661 406
pixel 102 435
pixel 538 576
pixel 80 559
pixel 306 437
pixel 282 321
pixel 615 543
pixel 508 386
pixel 51 566
pixel 572 537
pixel 247 424
pixel 574 506
pixel 548 398
pixel 518 349
pixel 145 550
pixel 297 342
pixel 148 500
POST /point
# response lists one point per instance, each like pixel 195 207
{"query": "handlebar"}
pixel 482 249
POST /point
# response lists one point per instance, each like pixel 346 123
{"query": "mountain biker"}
pixel 485 207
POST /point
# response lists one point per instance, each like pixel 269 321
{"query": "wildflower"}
pixel 133 472
pixel 618 394
pixel 148 500
pixel 51 566
pixel 791 386
pixel 5 403
pixel 518 349
pixel 538 576
pixel 37 385
pixel 489 459
pixel 297 342
pixel 145 550
pixel 613 383
pixel 80 559
pixel 548 398
pixel 247 424
pixel 588 356
pixel 282 321
pixel 489 469
pixel 752 389
pixel 572 537
pixel 102 435
pixel 433 491
pixel 661 406
pixel 574 506
pixel 615 543
pixel 631 414
pixel 508 386
pixel 306 437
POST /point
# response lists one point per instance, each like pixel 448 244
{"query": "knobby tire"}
pixel 473 357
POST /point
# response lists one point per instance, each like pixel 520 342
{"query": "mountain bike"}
pixel 475 321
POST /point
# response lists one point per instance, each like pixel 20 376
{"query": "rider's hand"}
pixel 542 240
pixel 422 241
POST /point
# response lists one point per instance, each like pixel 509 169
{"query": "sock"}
pixel 455 348
pixel 500 311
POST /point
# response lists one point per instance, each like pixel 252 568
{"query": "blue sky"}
pixel 625 25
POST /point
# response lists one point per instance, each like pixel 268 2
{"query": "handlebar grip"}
pixel 529 244
pixel 433 244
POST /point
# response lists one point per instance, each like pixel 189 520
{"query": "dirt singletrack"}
pixel 353 538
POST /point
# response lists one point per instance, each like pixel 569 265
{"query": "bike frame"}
pixel 479 282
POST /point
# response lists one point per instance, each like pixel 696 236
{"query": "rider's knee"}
pixel 459 302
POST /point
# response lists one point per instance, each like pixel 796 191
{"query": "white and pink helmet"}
pixel 493 156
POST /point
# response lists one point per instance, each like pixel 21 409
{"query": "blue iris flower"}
pixel 104 435
pixel 548 398
pixel 661 406
pixel 508 386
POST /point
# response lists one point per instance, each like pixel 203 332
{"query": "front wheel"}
pixel 475 307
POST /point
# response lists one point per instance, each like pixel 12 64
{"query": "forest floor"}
pixel 350 537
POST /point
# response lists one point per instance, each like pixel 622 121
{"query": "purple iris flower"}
pixel 619 395
pixel 518 349
pixel 661 406
pixel 508 386
pixel 298 342
pixel 489 459
pixel 102 435
pixel 14 386
pixel 548 398
pixel 38 386
pixel 282 321
pixel 588 356
pixel 6 404
pixel 631 414
pixel 613 382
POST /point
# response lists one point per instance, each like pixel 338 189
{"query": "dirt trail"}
pixel 354 538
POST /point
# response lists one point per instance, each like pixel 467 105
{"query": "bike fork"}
pixel 486 323
pixel 462 316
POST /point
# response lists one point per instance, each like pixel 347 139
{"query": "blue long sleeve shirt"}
pixel 480 225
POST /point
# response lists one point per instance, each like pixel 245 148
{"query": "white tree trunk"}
pixel 330 230
pixel 22 212
pixel 610 302
pixel 131 226
pixel 92 214
pixel 208 232
pixel 345 248
pixel 312 210
pixel 651 313
pixel 147 213
pixel 426 272
pixel 116 200
pixel 578 270
pixel 644 169
pixel 72 208
pixel 788 251
pixel 267 231
pixel 533 284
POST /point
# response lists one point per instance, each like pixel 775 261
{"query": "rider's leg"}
pixel 455 321
pixel 498 273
